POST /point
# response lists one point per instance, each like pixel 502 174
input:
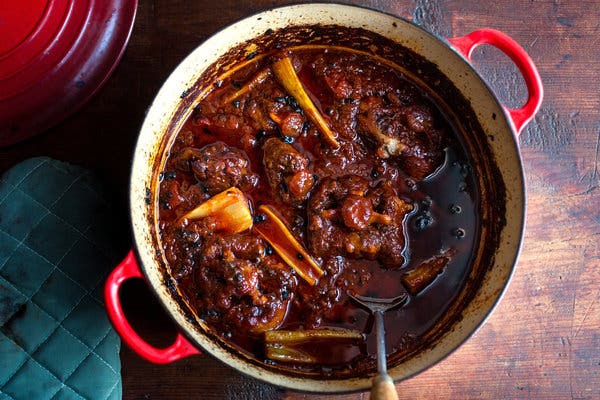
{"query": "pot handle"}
pixel 129 269
pixel 521 116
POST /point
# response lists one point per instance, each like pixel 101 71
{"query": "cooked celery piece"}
pixel 228 209
pixel 281 345
pixel 288 354
pixel 275 118
pixel 425 273
pixel 274 231
pixel 295 337
pixel 286 75
pixel 256 80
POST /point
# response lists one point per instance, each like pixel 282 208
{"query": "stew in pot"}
pixel 305 174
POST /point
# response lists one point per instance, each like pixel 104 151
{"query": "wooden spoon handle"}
pixel 383 388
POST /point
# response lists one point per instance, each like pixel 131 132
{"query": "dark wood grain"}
pixel 543 340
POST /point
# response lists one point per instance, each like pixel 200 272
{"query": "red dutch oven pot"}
pixel 502 127
pixel 54 56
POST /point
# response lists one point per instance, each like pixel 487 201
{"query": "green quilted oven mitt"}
pixel 57 245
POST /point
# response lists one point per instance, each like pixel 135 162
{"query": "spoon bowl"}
pixel 383 386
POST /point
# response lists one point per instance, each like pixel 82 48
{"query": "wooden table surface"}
pixel 543 340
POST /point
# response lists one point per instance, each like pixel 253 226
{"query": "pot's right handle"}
pixel 129 269
pixel 521 116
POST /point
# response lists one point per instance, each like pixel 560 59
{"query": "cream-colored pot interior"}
pixel 503 147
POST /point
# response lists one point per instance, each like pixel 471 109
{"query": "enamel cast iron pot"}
pixel 493 146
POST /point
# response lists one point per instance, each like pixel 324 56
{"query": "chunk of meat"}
pixel 249 290
pixel 218 167
pixel 337 82
pixel 345 78
pixel 291 124
pixel 177 197
pixel 287 171
pixel 320 302
pixel 347 216
pixel 244 246
pixel 404 132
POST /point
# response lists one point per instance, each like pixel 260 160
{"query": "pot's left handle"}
pixel 520 116
pixel 129 269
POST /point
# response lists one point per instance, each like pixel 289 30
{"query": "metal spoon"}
pixel 383 386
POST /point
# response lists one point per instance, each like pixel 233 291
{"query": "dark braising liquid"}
pixel 363 101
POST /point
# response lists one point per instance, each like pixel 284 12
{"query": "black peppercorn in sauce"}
pixel 385 205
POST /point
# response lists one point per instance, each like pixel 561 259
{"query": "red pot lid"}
pixel 54 55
